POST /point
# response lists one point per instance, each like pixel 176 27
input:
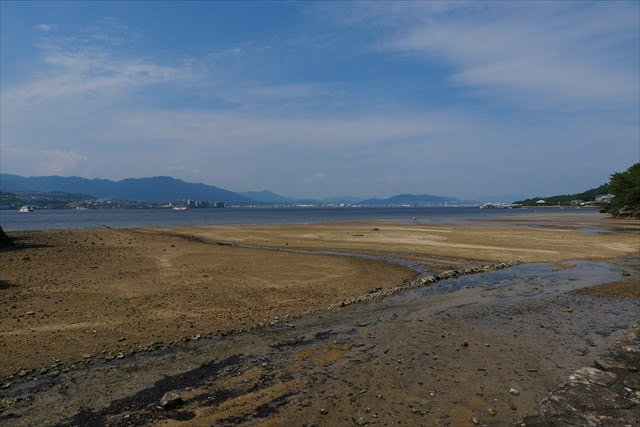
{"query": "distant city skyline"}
pixel 368 99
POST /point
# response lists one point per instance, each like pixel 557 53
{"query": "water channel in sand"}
pixel 437 355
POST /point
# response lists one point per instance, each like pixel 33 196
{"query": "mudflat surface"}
pixel 542 238
pixel 71 294
pixel 97 325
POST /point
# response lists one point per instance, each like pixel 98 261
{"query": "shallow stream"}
pixel 439 354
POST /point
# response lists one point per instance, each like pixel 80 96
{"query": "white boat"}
pixel 494 206
pixel 179 208
pixel 25 208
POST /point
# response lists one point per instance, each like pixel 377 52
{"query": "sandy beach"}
pixel 74 296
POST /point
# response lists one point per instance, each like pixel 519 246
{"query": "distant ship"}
pixel 25 208
pixel 179 208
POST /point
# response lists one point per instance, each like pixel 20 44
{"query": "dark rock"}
pixel 633 382
pixel 615 363
pixel 591 398
pixel 596 397
pixel 170 400
pixel 5 241
pixel 597 376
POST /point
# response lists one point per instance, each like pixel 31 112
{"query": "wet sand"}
pixel 71 294
pixel 114 291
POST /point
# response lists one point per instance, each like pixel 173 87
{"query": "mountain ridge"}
pixel 168 189
pixel 151 189
pixel 266 196
pixel 412 200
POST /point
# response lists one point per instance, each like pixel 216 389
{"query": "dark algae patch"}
pixel 143 407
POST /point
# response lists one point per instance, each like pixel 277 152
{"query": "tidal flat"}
pixel 310 324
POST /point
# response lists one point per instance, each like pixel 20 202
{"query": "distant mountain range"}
pixel 156 189
pixel 167 189
pixel 412 200
pixel 266 196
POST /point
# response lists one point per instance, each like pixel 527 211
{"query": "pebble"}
pixel 324 411
pixel 514 392
pixel 475 421
pixel 492 412
pixel 170 400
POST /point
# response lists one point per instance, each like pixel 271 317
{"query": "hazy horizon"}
pixel 316 100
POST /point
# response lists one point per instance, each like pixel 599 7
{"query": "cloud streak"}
pixel 45 27
pixel 91 72
pixel 578 57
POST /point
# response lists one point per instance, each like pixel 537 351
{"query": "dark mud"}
pixel 486 347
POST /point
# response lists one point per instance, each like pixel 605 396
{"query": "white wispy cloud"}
pixel 77 68
pixel 316 178
pixel 292 90
pixel 45 27
pixel 581 55
pixel 61 161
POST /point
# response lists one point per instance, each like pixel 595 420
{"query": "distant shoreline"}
pixel 144 218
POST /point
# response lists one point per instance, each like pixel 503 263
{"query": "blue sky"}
pixel 316 99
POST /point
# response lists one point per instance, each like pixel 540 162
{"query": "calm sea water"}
pixel 135 218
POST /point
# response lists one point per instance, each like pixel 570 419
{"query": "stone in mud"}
pixel 574 405
pixel 594 396
pixel 631 349
pixel 170 400
pixel 597 376
pixel 615 363
pixel 632 382
pixel 448 273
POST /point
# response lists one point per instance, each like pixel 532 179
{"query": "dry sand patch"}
pixel 85 292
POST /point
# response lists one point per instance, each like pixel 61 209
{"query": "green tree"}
pixel 625 187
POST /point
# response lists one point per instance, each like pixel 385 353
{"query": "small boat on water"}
pixel 493 206
pixel 25 208
pixel 179 208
